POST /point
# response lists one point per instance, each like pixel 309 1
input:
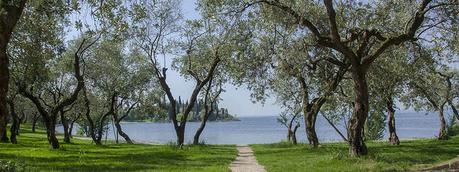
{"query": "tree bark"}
pixel 294 141
pixel 393 138
pixel 118 125
pixel 455 112
pixel 289 133
pixel 123 134
pixel 34 121
pixel 4 81
pixel 91 126
pixel 179 126
pixel 208 109
pixel 310 121
pixel 180 132
pixel 311 109
pixel 310 114
pixel 51 133
pixel 100 129
pixel 442 135
pixel 9 16
pixel 200 130
pixel 14 125
pixel 65 125
pixel 360 113
pixel 49 115
pixel 71 125
pixel 21 119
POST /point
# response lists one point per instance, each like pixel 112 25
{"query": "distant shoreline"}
pixel 168 121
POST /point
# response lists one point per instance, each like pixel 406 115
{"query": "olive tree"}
pixel 361 32
pixel 10 13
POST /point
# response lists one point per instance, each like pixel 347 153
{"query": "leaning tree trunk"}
pixel 294 141
pixel 200 130
pixel 360 113
pixel 121 133
pixel 393 138
pixel 311 111
pixel 442 135
pixel 65 125
pixel 455 112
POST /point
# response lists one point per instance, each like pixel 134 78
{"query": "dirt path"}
pixel 451 165
pixel 245 161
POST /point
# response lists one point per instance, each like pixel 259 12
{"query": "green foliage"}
pixel 453 127
pixel 12 166
pixel 375 125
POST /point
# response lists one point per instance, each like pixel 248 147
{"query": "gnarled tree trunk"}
pixel 21 119
pixel 200 130
pixel 4 80
pixel 180 132
pixel 14 125
pixel 10 13
pixel 294 141
pixel 393 138
pixel 34 121
pixel 91 126
pixel 442 135
pixel 208 109
pixel 118 125
pixel 122 133
pixel 65 125
pixel 360 113
pixel 51 133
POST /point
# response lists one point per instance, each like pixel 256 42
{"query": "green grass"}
pixel 410 155
pixel 32 153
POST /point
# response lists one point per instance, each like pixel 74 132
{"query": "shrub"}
pixel 11 166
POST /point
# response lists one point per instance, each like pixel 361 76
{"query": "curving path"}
pixel 245 161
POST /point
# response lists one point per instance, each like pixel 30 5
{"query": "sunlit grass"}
pixel 33 153
pixel 410 155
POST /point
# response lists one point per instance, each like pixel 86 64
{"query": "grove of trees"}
pixel 89 62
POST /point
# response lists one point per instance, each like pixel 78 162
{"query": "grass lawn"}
pixel 410 155
pixel 32 153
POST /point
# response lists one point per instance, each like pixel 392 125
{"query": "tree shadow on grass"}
pixel 121 158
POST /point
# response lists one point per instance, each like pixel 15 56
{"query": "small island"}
pixel 159 113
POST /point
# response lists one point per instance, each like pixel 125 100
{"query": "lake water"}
pixel 251 130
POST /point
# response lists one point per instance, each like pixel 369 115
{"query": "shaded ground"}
pixel 32 153
pixel 415 155
pixel 451 165
pixel 245 161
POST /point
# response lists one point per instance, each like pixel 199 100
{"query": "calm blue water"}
pixel 252 130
